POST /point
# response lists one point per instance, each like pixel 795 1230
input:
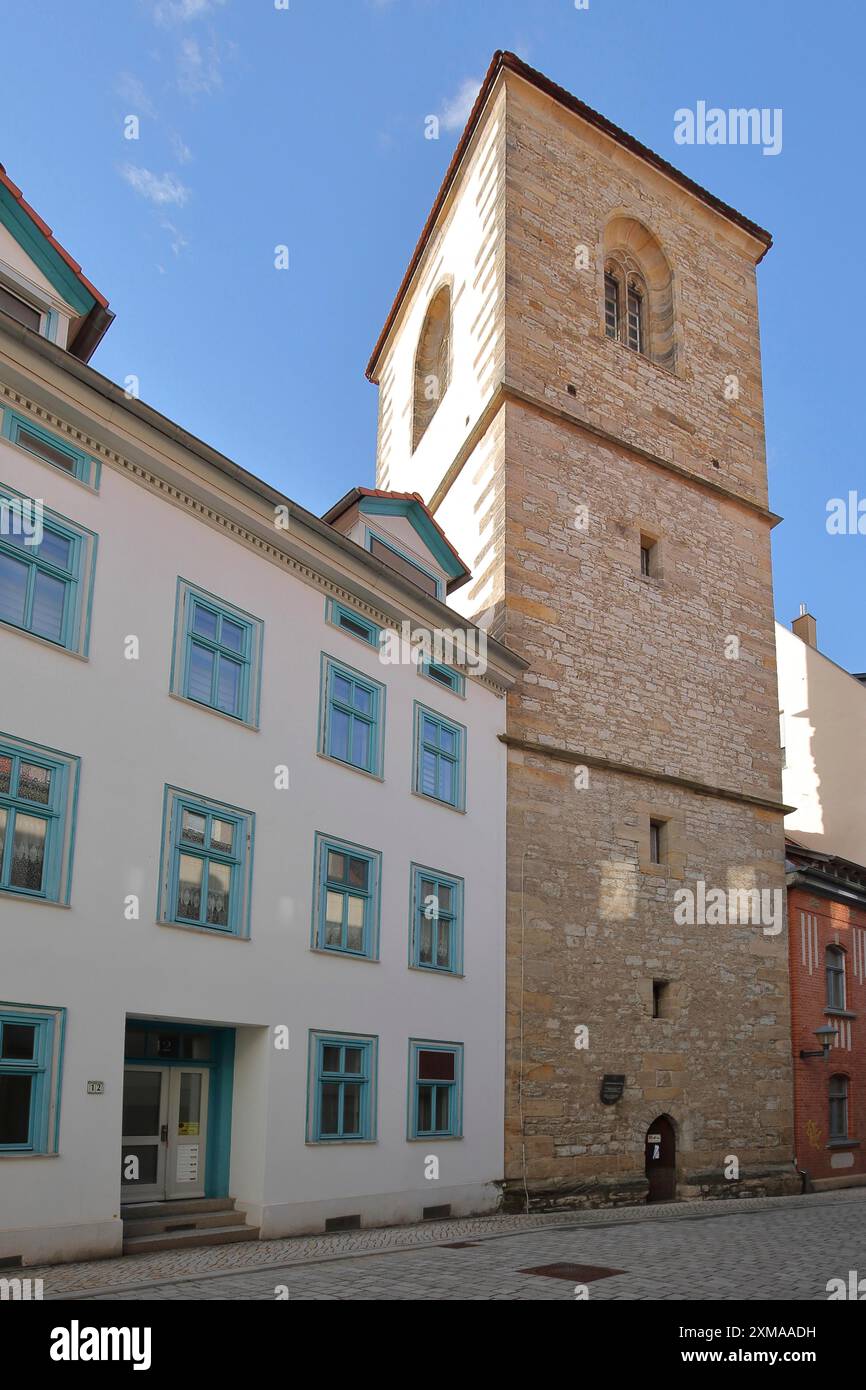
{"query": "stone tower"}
pixel 570 376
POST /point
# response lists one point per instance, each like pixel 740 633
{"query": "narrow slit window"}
pixel 660 998
pixel 834 961
pixel 838 1107
pixel 647 556
pixel 656 841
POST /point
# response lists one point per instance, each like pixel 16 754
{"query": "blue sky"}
pixel 305 127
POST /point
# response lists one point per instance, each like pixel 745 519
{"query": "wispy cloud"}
pixel 163 190
pixel 455 112
pixel 182 151
pixel 133 91
pixel 178 240
pixel 199 68
pixel 168 12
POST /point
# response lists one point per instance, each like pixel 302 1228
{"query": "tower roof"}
pixel 503 60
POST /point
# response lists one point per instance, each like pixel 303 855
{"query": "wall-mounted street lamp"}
pixel 825 1036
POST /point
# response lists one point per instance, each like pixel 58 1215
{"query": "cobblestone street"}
pixel 772 1249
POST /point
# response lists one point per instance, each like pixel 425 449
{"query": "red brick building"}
pixel 827 927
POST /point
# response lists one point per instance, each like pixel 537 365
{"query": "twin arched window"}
pixel 624 307
pixel 638 291
pixel 432 363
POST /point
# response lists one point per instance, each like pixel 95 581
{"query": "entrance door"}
pixel 145 1121
pixel 164 1133
pixel 661 1160
pixel 187 1132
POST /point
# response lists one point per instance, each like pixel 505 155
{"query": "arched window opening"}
pixel 432 364
pixel 834 965
pixel 638 292
pixel 838 1107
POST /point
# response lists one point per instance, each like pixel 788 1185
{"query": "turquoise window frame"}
pixel 330 703
pixel 83 467
pixel 454 1127
pixel 77 576
pixel 426 746
pixel 363 629
pixel 319 1077
pixel 444 676
pixel 45 1067
pixel 239 860
pixel 389 544
pixel 421 911
pixel 190 600
pixel 59 811
pixel 370 895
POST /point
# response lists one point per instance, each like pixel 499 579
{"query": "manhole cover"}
pixel 459 1244
pixel 578 1274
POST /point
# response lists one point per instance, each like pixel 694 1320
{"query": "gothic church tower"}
pixel 570 376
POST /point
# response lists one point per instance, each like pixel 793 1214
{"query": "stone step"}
pixel 191 1221
pixel 146 1211
pixel 215 1235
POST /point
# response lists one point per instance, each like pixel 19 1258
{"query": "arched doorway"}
pixel 661 1160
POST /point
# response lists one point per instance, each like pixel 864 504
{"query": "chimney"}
pixel 806 628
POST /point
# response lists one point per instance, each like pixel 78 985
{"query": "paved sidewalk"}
pixel 109 1278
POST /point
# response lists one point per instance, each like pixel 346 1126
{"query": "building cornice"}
pixel 505 392
pixel 827 886
pixel 190 475
pixel 690 784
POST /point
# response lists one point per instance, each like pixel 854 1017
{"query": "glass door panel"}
pixel 145 1113
pixel 187 1132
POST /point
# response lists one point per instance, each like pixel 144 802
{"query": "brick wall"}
pixel 816 922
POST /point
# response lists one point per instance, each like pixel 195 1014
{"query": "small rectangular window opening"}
pixel 656 841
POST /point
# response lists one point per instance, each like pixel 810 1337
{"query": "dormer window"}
pixel 396 560
pixel 18 309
